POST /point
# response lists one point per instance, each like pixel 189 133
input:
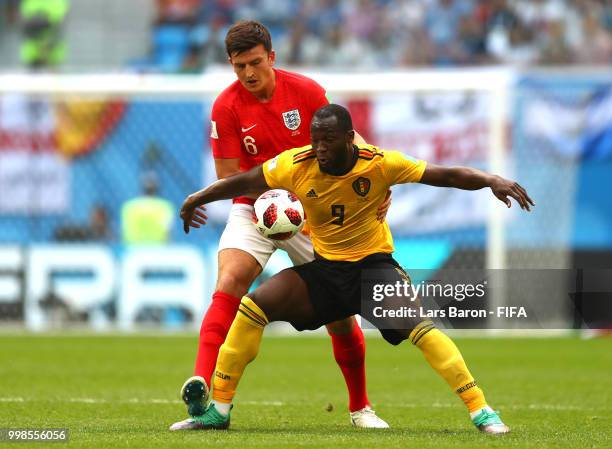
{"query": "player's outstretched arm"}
pixel 467 178
pixel 250 182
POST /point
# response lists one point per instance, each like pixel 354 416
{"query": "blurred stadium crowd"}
pixel 367 34
pixel 187 35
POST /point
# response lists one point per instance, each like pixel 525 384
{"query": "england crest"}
pixel 292 119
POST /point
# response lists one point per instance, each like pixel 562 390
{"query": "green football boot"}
pixel 488 421
pixel 210 420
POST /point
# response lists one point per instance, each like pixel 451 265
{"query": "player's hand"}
pixel 192 215
pixel 382 210
pixel 504 188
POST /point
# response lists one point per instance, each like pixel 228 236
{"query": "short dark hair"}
pixel 247 34
pixel 345 123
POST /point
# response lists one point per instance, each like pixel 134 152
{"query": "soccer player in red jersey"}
pixel 263 113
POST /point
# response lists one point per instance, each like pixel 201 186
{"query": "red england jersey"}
pixel 243 127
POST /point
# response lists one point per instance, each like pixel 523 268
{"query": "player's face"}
pixel 254 70
pixel 333 147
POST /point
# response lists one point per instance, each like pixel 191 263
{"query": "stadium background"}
pixel 144 74
pixel 70 162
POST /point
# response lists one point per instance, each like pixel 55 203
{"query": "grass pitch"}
pixel 117 392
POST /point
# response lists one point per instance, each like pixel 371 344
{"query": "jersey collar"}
pixel 353 161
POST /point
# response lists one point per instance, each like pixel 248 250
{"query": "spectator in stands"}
pixel 172 34
pixel 43 44
pixel 500 14
pixel 99 224
pixel 147 219
pixel 213 50
pixel 342 49
pixel 384 44
pixel 391 33
pixel 224 10
pixel 193 62
pixel 555 50
pixel 8 12
pixel 607 16
pixel 521 49
pixel 537 14
pixel 418 49
pixel 500 19
pixel 323 15
pixel 442 21
pixel 596 48
pixel 178 11
pixel 278 15
pixel 362 19
pixel 299 47
pixel 472 43
pixel 97 230
pixel 406 14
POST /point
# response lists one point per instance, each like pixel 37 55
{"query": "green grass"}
pixel 552 392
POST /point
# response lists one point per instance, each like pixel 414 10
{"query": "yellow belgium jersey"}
pixel 341 210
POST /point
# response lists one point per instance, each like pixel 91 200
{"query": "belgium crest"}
pixel 361 186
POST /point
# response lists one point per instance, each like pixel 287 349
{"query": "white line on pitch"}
pixel 130 401
pixel 557 407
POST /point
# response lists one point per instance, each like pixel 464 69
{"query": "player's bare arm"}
pixel 227 167
pixel 467 178
pixel 224 168
pixel 251 182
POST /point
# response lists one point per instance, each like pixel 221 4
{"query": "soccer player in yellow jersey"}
pixel 340 186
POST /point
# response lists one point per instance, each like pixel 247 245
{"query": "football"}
pixel 278 215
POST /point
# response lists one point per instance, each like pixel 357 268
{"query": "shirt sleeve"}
pixel 400 168
pixel 224 138
pixel 278 171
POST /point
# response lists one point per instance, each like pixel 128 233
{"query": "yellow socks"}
pixel 240 348
pixel 244 337
pixel 445 358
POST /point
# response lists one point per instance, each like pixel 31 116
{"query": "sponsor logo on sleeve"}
pixel 410 158
pixel 272 164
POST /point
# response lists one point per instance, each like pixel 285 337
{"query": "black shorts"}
pixel 334 289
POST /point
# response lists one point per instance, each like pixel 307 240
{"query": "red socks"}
pixel 214 329
pixel 349 352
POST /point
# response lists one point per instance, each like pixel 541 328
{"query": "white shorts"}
pixel 239 233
